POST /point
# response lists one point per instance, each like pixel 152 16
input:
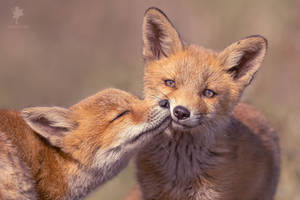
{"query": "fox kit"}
pixel 59 153
pixel 215 148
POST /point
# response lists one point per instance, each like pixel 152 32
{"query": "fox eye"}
pixel 120 115
pixel 170 83
pixel 208 93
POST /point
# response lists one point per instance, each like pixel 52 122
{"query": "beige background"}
pixel 63 51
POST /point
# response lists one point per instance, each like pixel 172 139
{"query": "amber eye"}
pixel 208 93
pixel 170 83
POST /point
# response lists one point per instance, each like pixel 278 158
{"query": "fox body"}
pixel 59 153
pixel 215 148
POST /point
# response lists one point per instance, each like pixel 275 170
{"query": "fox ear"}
pixel 159 35
pixel 243 58
pixel 52 123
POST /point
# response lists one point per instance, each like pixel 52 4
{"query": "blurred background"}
pixel 58 52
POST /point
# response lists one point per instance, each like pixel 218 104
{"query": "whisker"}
pixel 156 97
pixel 165 149
pixel 198 117
pixel 163 94
pixel 166 96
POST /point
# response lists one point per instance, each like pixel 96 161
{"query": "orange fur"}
pixel 58 153
pixel 217 148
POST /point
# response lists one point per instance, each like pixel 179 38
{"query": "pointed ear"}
pixel 243 58
pixel 51 123
pixel 159 36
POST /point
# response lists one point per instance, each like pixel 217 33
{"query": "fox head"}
pixel 201 85
pixel 109 121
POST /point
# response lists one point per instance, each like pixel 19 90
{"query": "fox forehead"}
pixel 107 100
pixel 192 63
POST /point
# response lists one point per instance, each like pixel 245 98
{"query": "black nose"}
pixel 181 112
pixel 164 103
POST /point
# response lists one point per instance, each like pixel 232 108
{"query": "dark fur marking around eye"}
pixel 170 83
pixel 120 115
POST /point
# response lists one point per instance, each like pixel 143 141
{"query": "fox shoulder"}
pixel 259 125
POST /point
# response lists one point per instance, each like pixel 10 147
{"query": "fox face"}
pixel 110 121
pixel 201 85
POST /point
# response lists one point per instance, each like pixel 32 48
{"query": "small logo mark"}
pixel 17 13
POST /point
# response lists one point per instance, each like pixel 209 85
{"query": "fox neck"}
pixel 181 162
pixel 104 165
pixel 187 153
pixel 83 179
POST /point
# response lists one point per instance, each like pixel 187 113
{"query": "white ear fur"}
pixel 243 58
pixel 159 35
pixel 52 123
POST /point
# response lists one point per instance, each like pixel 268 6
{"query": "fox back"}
pixel 215 147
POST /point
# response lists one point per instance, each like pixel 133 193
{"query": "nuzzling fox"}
pixel 59 153
pixel 215 148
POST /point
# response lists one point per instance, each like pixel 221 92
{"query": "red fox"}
pixel 59 153
pixel 215 148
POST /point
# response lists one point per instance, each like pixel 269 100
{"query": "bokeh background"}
pixel 58 52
